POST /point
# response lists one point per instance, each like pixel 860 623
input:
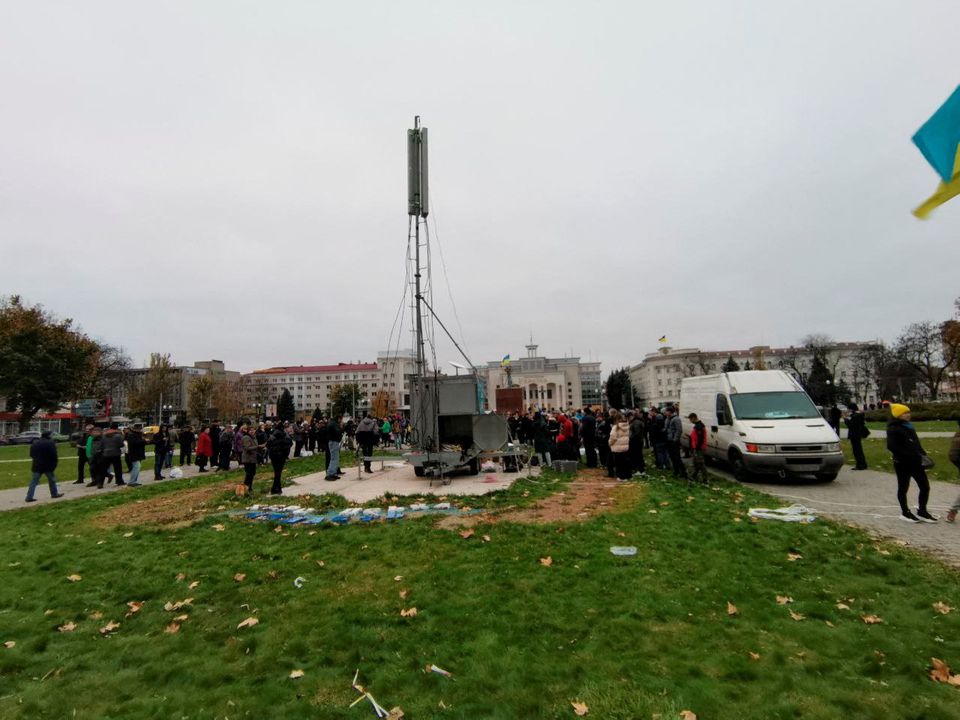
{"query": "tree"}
pixel 201 395
pixel 930 350
pixel 258 391
pixel 43 361
pixel 227 398
pixel 344 398
pixel 110 372
pixel 730 365
pixel 619 389
pixel 286 410
pixel 157 382
pixel 820 384
pixel 317 414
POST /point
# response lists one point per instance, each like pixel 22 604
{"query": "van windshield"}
pixel 773 406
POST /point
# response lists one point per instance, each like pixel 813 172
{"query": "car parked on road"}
pixel 25 438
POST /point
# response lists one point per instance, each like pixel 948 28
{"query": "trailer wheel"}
pixel 419 470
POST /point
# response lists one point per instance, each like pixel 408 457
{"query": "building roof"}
pixel 339 367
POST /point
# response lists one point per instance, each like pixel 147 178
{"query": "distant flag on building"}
pixel 938 140
pixel 662 340
pixel 506 360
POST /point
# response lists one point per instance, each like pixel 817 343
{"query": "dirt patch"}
pixel 589 494
pixel 172 510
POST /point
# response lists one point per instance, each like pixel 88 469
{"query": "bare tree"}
pixel 158 381
pixel 924 348
pixel 201 393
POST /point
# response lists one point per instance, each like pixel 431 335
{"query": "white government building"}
pixel 657 377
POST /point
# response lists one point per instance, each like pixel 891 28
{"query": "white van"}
pixel 761 422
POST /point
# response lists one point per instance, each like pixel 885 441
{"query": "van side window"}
pixel 723 410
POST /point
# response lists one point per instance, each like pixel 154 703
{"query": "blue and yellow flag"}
pixel 663 339
pixel 506 360
pixel 939 141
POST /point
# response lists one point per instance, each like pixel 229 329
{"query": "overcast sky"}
pixel 228 179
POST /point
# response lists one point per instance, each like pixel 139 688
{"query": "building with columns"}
pixel 551 384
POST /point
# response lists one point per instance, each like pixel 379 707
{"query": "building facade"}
pixel 174 404
pixel 550 384
pixel 311 385
pixel 656 379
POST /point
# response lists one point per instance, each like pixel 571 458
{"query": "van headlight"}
pixel 833 447
pixel 754 448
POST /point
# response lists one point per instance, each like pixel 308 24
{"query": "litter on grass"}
pixel 296 515
pixel 439 671
pixel 794 513
pixel 623 551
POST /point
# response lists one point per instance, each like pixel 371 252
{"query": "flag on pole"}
pixel 506 360
pixel 938 139
pixel 662 340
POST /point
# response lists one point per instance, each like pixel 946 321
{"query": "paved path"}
pixel 869 499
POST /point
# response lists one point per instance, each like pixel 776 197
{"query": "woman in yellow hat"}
pixel 908 461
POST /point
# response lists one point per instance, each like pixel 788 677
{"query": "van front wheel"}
pixel 826 477
pixel 739 467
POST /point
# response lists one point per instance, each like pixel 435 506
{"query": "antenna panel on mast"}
pixel 418 202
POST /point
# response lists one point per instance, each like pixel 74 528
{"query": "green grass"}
pixel 922 425
pixel 631 637
pixel 879 458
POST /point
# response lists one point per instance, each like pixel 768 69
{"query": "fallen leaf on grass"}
pixel 732 609
pixel 403 594
pixel 653 512
pixel 181 577
pixel 128 534
pixel 941 673
pixel 95 615
pixel 546 561
pixel 395 714
pixel 398 578
pixel 109 628
pixel 171 606
pixel 410 612
pixel 219 527
pixel 664 503
pixel 467 534
pixel 320 563
pixel 754 656
pixel 794 556
pixel 68 627
pixel 193 585
pixel 249 622
pixel 172 628
pixel 486 538
pixel 135 607
pixel 74 578
pixel 688 715
pixel 580 708
pixel 239 577
pixel 871 619
pixel 784 599
pixel 829 624
pixel 10 644
pixel 797 616
pixel 842 606
pixel 294 674
pixel 181 618
pixel 738 519
pixel 942 608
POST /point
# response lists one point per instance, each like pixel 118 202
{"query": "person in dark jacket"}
pixel 366 439
pixel 656 429
pixel 833 417
pixel 82 458
pixel 588 432
pixel 908 461
pixel 541 439
pixel 187 439
pixel 161 442
pixel 278 448
pixel 954 455
pixel 225 447
pixel 136 453
pixel 638 431
pixel 856 432
pixel 95 457
pixel 113 451
pixel 674 431
pixel 215 443
pixel 334 436
pixel 603 436
pixel 43 453
pixel 297 439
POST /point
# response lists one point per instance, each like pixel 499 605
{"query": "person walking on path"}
pixel 248 456
pixel 161 442
pixel 95 457
pixel 954 456
pixel 204 448
pixel 366 438
pixel 82 458
pixel 620 445
pixel 113 451
pixel 856 432
pixel 187 439
pixel 43 452
pixel 334 436
pixel 909 459
pixel 698 442
pixel 278 447
pixel 674 433
pixel 136 453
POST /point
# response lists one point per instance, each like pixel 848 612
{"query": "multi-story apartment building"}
pixel 173 404
pixel 657 377
pixel 548 383
pixel 310 385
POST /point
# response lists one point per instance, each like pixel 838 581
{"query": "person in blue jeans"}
pixel 43 452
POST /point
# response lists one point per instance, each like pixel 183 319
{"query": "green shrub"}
pixel 921 411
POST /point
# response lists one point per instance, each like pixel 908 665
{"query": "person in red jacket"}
pixel 204 447
pixel 698 442
pixel 565 444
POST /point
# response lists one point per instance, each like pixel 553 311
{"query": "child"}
pixel 955 459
